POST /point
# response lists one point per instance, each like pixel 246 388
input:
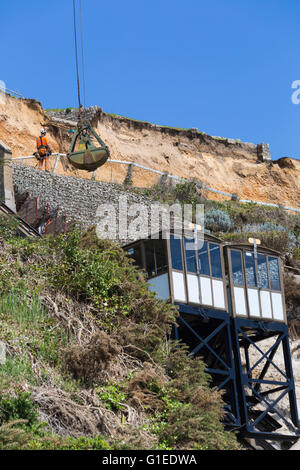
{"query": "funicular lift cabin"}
pixel 232 313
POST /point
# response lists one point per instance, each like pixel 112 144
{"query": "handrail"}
pixel 12 92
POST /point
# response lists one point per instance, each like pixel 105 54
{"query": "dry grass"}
pixel 75 316
pixel 92 362
pixel 65 417
pixel 143 388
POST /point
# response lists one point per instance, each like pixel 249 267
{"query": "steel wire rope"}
pixel 82 54
pixel 76 55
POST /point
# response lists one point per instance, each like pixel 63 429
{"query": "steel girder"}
pixel 208 334
pixel 265 380
pixel 256 402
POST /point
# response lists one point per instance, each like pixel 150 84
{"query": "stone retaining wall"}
pixel 77 198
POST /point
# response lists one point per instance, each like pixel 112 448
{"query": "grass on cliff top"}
pixel 89 355
pixel 180 129
pixel 58 110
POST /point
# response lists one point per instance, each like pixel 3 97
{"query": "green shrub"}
pixel 217 221
pixel 8 227
pixel 100 272
pixel 69 443
pixel 186 193
pixel 16 408
pixel 25 314
pixel 13 436
pixel 271 227
pixel 17 369
pixel 87 363
pixel 278 241
pixel 112 397
pixel 197 421
pixel 97 293
pixel 184 411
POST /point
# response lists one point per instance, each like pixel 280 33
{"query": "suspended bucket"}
pixel 88 157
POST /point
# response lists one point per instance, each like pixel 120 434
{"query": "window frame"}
pixel 207 240
pixel 144 243
pixel 269 275
pixel 268 254
pixel 231 271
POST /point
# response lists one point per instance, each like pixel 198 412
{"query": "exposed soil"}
pixel 230 166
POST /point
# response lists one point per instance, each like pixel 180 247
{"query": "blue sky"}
pixel 223 66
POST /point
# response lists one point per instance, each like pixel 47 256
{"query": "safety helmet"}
pixel 43 131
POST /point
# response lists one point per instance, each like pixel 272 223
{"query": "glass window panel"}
pixel 161 256
pixel 150 260
pixel 175 244
pixel 215 261
pixel 250 270
pixel 237 270
pixel 156 257
pixel 203 260
pixel 263 278
pixel 274 273
pixel 190 256
pixel 136 254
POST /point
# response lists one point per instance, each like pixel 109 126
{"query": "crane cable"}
pixel 82 55
pixel 76 55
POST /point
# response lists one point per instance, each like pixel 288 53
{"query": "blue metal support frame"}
pixel 252 398
pixel 208 333
pixel 261 423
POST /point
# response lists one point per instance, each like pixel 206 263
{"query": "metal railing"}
pixel 166 176
pixel 12 92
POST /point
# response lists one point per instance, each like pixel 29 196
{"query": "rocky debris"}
pixel 263 152
pixel 71 115
pixel 285 162
pixel 64 121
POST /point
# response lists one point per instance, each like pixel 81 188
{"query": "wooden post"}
pixel 128 179
pixel 55 164
pixel 163 179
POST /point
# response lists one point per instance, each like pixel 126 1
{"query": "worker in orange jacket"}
pixel 44 150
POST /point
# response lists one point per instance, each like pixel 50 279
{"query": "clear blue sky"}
pixel 224 66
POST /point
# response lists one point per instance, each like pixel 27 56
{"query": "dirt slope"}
pixel 222 164
pixel 20 124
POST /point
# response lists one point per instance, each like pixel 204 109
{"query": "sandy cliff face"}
pixel 223 164
pixel 20 124
pixel 230 167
